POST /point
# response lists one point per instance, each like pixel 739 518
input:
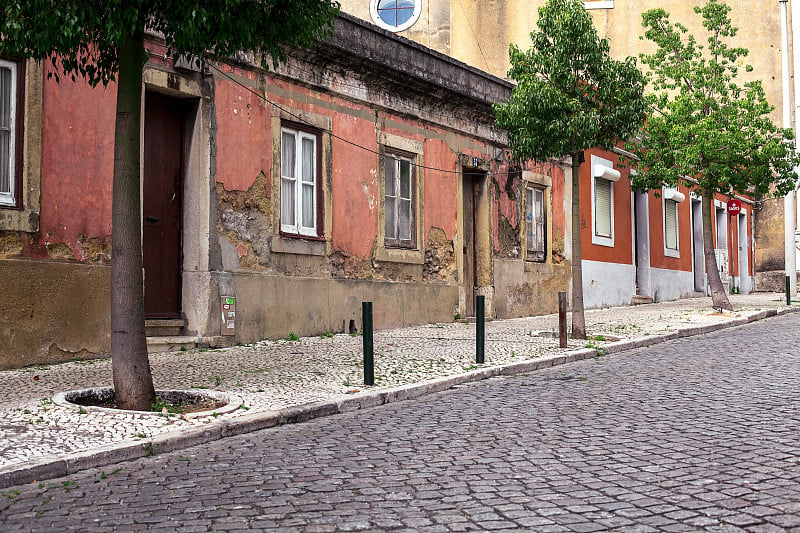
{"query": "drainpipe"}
pixel 795 70
pixel 789 200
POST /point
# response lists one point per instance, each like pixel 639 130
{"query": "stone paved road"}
pixel 697 434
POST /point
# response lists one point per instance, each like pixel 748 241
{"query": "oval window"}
pixel 395 15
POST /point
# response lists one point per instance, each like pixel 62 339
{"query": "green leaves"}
pixel 570 94
pixel 706 126
pixel 81 36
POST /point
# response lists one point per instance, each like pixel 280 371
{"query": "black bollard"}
pixel 562 319
pixel 788 291
pixel 480 329
pixel 369 359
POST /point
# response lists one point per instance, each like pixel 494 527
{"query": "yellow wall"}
pixel 478 32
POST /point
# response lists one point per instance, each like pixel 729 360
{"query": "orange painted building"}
pixel 644 247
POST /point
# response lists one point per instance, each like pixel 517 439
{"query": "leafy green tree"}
pixel 707 132
pixel 103 41
pixel 570 96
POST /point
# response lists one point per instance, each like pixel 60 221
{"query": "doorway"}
pixel 641 246
pixel 469 192
pixel 698 258
pixel 162 205
pixel 744 278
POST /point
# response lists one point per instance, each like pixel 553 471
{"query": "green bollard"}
pixel 480 329
pixel 369 359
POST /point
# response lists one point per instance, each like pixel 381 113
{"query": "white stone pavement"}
pixel 271 375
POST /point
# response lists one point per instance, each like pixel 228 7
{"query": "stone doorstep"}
pixel 164 327
pixel 639 299
pixel 44 468
pixel 172 343
pixel 179 343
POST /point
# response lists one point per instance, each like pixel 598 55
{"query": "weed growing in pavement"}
pixel 457 316
pixel 11 494
pixel 244 407
pixel 140 435
pixel 81 410
pixel 150 448
pixel 292 336
pixel 217 380
pixel 470 367
pixel 199 387
pixel 185 459
pixel 159 405
pixel 327 335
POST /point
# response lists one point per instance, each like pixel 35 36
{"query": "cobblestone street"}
pixel 694 434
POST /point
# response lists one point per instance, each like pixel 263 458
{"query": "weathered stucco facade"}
pixel 364 108
pixel 478 32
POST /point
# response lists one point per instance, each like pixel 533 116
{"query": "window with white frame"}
pixel 400 227
pixel 603 200
pixel 395 15
pixel 299 183
pixel 672 199
pixel 598 4
pixel 9 196
pixel 604 175
pixel 536 224
pixel 671 225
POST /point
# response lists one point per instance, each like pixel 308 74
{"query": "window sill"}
pixel 400 255
pixel 672 253
pixel 300 245
pixel 603 241
pixel 538 267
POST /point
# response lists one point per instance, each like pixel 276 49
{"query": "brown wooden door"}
pixel 468 191
pixel 161 205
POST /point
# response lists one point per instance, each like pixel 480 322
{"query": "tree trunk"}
pixel 133 382
pixel 718 297
pixel 578 319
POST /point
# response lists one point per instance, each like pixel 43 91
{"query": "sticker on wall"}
pixel 228 325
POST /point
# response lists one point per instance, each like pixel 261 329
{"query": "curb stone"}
pixel 44 469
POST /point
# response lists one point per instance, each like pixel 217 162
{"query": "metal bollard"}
pixel 480 331
pixel 369 359
pixel 562 319
pixel 788 290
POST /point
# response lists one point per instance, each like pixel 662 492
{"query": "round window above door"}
pixel 395 15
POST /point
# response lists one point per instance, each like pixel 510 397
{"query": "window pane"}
pixel 529 223
pixel 5 97
pixel 391 217
pixel 308 160
pixel 391 187
pixel 287 155
pixel 405 180
pixel 5 161
pixel 287 202
pixel 6 135
pixel 671 224
pixel 309 218
pixel 405 220
pixel 602 199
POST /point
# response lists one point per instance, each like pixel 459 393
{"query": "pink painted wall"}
pixel 77 163
pixel 244 143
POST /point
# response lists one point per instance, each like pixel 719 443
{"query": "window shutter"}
pixel 671 224
pixel 602 206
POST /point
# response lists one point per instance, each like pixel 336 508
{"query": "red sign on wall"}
pixel 734 206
